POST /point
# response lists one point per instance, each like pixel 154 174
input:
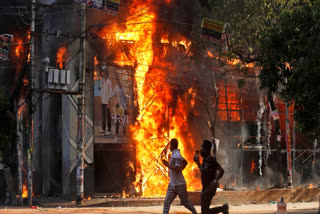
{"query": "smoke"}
pixel 259 127
pixel 180 17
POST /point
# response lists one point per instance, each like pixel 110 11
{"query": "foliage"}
pixel 281 36
pixel 290 62
pixel 246 21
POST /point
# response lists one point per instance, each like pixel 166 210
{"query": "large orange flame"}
pixel 163 115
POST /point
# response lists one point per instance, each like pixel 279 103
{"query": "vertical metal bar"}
pixel 314 159
pixel 288 143
pixel 226 98
pixel 241 152
pixel 294 147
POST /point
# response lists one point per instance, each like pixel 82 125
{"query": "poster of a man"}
pixel 106 94
pixel 112 92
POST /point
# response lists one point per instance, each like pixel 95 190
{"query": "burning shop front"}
pixel 150 80
pixel 176 88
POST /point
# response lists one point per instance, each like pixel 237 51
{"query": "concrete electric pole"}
pixel 81 106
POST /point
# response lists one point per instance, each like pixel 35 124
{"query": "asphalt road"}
pixel 292 208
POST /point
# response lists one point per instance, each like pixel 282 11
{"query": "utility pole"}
pixel 30 106
pixel 81 105
pixel 19 154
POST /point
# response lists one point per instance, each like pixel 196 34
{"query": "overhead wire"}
pixel 145 22
pixel 154 85
pixel 168 83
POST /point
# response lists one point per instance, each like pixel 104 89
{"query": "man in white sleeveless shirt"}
pixel 177 185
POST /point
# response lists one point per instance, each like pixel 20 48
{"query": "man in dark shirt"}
pixel 209 178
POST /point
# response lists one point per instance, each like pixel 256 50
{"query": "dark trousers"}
pixel 206 198
pixel 117 128
pixel 118 125
pixel 172 193
pixel 106 110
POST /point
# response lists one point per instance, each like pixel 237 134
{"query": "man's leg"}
pixel 216 210
pixel 222 209
pixel 117 127
pixel 171 195
pixel 109 118
pixel 103 109
pixel 206 201
pixel 124 127
pixel 117 130
pixel 183 195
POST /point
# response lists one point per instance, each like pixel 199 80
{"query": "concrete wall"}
pixel 55 117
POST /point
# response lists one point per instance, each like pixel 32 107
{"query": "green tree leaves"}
pixel 290 58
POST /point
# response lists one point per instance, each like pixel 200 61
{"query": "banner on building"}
pixel 211 29
pixel 109 6
pixel 114 106
pixel 5 42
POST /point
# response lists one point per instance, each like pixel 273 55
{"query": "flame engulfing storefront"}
pixel 174 82
pixel 163 98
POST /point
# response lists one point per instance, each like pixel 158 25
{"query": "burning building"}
pixel 173 87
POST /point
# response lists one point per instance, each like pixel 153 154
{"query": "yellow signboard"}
pixel 211 29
